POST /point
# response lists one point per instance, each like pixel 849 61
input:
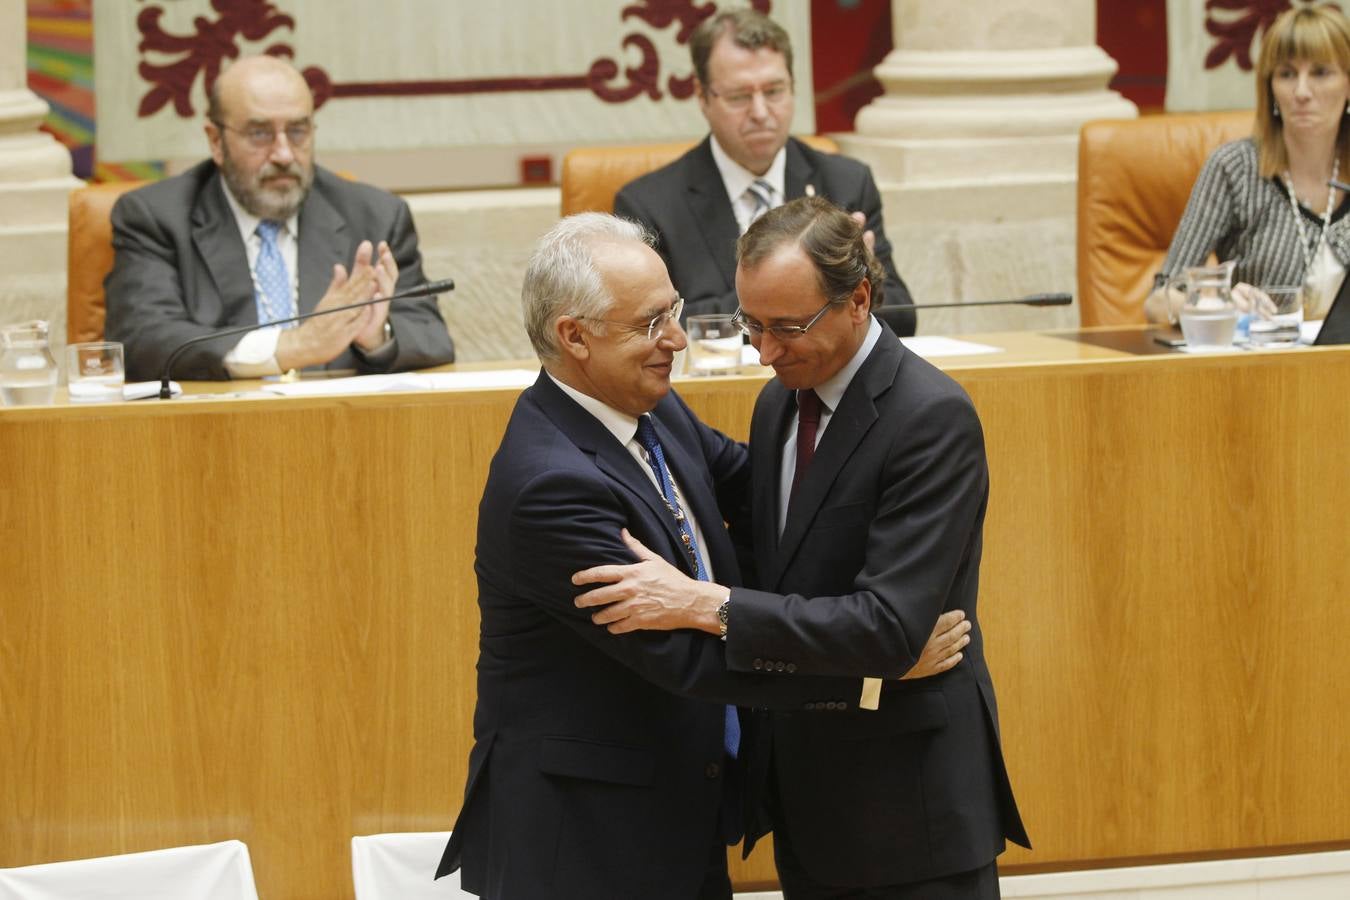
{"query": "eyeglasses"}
pixel 654 328
pixel 754 329
pixel 262 137
pixel 740 99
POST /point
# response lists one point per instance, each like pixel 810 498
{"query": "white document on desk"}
pixel 930 346
pixel 405 381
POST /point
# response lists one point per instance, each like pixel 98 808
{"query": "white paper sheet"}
pixel 404 381
pixel 930 346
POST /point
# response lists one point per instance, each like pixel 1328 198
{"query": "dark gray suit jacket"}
pixel 181 270
pixel 686 205
pixel 883 536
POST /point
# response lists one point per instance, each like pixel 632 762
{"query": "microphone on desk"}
pixel 421 290
pixel 1054 299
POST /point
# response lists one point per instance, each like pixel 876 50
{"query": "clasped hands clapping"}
pixel 323 338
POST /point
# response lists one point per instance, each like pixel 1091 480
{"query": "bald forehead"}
pixel 264 88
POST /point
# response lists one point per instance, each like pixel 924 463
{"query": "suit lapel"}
pixel 767 432
pixel 611 458
pixel 322 243
pixel 848 426
pixel 707 199
pixel 799 172
pixel 215 235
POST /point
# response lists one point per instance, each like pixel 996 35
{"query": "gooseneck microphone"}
pixel 421 290
pixel 1030 300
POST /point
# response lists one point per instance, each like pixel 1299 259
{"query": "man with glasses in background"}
pixel 605 767
pixel 699 204
pixel 259 233
pixel 869 496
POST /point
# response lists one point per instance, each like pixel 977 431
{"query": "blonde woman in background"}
pixel 1264 202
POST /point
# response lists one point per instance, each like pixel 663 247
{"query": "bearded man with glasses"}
pixel 259 233
pixel 698 205
pixel 869 493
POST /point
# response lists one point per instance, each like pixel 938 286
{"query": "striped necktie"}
pixel 273 282
pixel 656 458
pixel 761 194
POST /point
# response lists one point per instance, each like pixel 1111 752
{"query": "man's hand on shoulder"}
pixel 649 594
pixel 869 236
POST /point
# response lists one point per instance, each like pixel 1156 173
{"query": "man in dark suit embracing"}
pixel 699 204
pixel 603 766
pixel 869 491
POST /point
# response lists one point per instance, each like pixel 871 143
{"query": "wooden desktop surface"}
pixel 254 618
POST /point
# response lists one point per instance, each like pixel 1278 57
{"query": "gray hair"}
pixel 562 279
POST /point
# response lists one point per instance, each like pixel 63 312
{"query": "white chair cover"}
pixel 205 872
pixel 402 867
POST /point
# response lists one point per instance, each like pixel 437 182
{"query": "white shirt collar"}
pixel 621 425
pixel 737 177
pixel 248 223
pixel 832 390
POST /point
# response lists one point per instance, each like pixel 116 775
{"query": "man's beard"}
pixel 263 202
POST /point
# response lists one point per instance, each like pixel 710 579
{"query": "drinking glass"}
pixel 714 344
pixel 1277 316
pixel 95 372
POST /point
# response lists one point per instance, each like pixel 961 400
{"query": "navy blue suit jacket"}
pixel 597 768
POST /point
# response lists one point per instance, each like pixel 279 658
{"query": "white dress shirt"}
pixel 256 353
pixel 737 179
pixel 830 393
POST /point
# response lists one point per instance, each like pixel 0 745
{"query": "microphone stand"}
pixel 421 290
pixel 1029 300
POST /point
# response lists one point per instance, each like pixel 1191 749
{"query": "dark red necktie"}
pixel 808 420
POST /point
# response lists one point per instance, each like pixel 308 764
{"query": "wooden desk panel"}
pixel 256 618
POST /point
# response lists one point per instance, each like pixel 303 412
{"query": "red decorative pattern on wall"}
pixel 205 50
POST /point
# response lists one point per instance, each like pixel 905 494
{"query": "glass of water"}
pixel 28 373
pixel 714 345
pixel 95 372
pixel 1277 316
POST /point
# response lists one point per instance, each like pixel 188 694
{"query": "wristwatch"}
pixel 722 618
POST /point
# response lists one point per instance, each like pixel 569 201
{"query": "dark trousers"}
pixel 977 884
pixel 716 882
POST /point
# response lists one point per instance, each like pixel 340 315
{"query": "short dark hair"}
pixel 828 236
pixel 748 28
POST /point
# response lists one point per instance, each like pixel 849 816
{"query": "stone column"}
pixel 974 145
pixel 35 178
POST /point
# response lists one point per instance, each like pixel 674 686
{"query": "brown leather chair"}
pixel 591 176
pixel 90 257
pixel 1134 178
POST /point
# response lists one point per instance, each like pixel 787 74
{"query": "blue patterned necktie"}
pixel 762 193
pixel 646 436
pixel 273 281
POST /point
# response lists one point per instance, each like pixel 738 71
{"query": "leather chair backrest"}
pixel 1134 178
pixel 90 257
pixel 591 176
